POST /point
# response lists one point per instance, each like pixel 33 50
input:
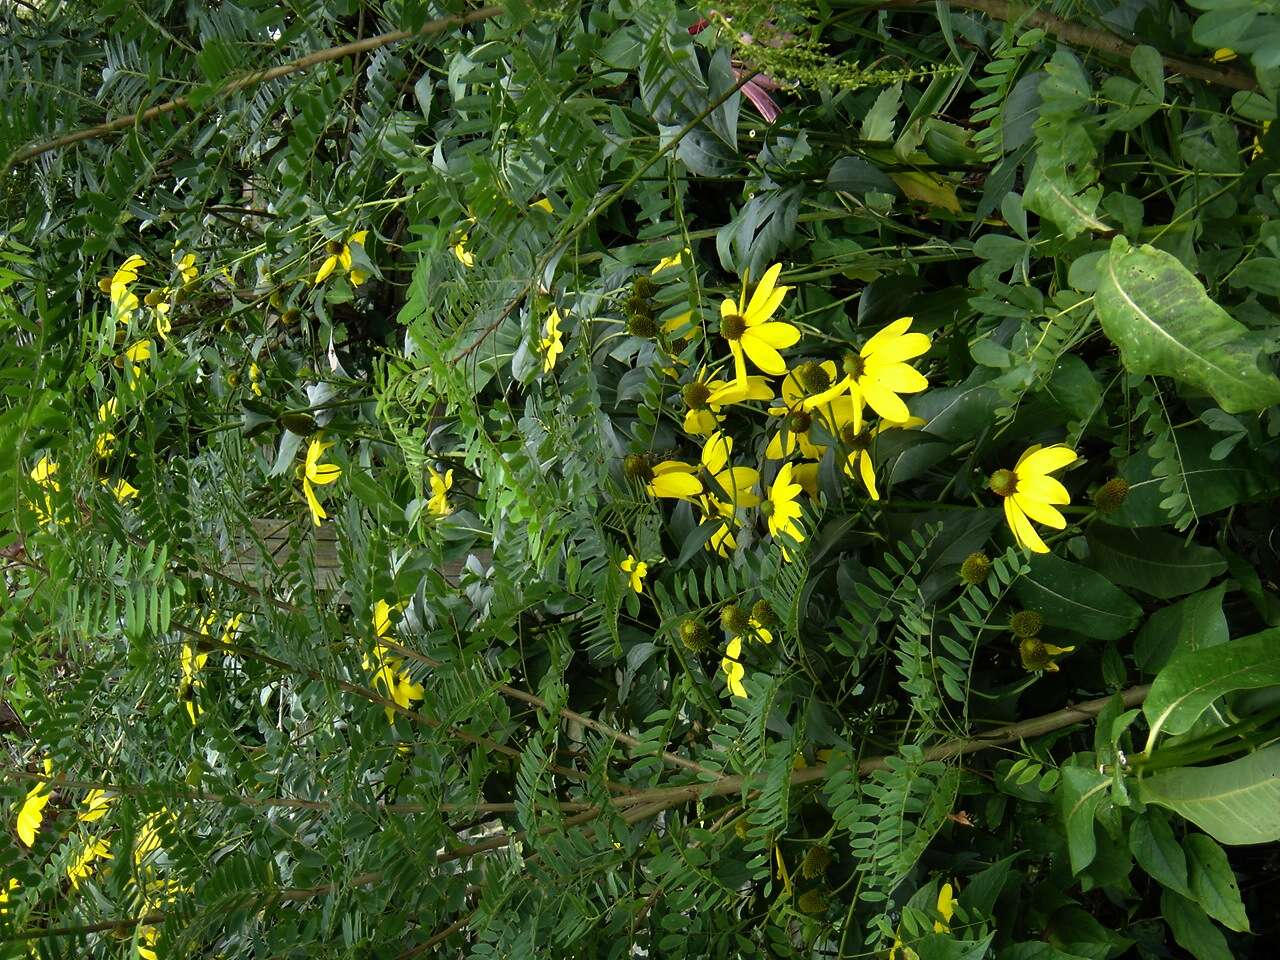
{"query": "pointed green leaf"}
pixel 1193 930
pixel 1164 323
pixel 1157 563
pixel 1083 788
pixel 1213 882
pixel 1076 598
pixel 1188 684
pixel 1235 803
pixel 1154 847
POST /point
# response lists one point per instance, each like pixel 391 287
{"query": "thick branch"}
pixel 1091 39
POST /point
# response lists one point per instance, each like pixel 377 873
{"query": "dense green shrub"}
pixel 621 479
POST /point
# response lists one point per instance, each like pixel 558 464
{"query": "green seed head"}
pixel 813 901
pixel 1035 656
pixel 636 466
pixel 975 568
pixel 1004 483
pixel 812 377
pixel 735 620
pixel 694 634
pixel 639 325
pixel 1110 497
pixel 643 287
pixel 763 614
pixel 853 364
pixel 1025 624
pixel 799 421
pixel 695 395
pixel 815 862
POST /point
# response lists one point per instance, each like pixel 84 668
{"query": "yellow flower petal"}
pixel 1043 489
pixel 883 337
pixel 884 401
pixel 1039 511
pixel 765 357
pixel 906 347
pixel 1044 460
pixel 763 293
pixel 715 452
pixel 677 485
pixel 317 511
pixel 1023 532
pixel 326 268
pixel 897 377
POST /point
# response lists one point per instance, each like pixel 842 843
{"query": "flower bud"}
pixel 1110 497
pixel 763 614
pixel 735 620
pixel 815 862
pixel 975 568
pixel 694 634
pixel 1025 623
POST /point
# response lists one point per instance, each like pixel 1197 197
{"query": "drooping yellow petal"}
pixel 317 511
pixel 738 484
pixel 1023 532
pixel 700 422
pixel 733 669
pixel 781 445
pixel 330 264
pixel 677 484
pixel 715 452
pixel 1039 511
pixel 764 356
pixel 867 470
pixel 884 401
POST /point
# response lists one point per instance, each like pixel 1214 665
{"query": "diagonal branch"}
pixel 650 803
pixel 248 80
pixel 1089 38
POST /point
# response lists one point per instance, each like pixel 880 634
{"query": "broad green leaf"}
pixel 1083 788
pixel 1186 687
pixel 1076 598
pixel 1193 930
pixel 1148 66
pixel 944 946
pixel 1212 485
pixel 1037 950
pixel 1068 199
pixel 1164 323
pixel 1192 623
pixel 1235 803
pixel 1157 563
pixel 1213 882
pixel 1156 849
